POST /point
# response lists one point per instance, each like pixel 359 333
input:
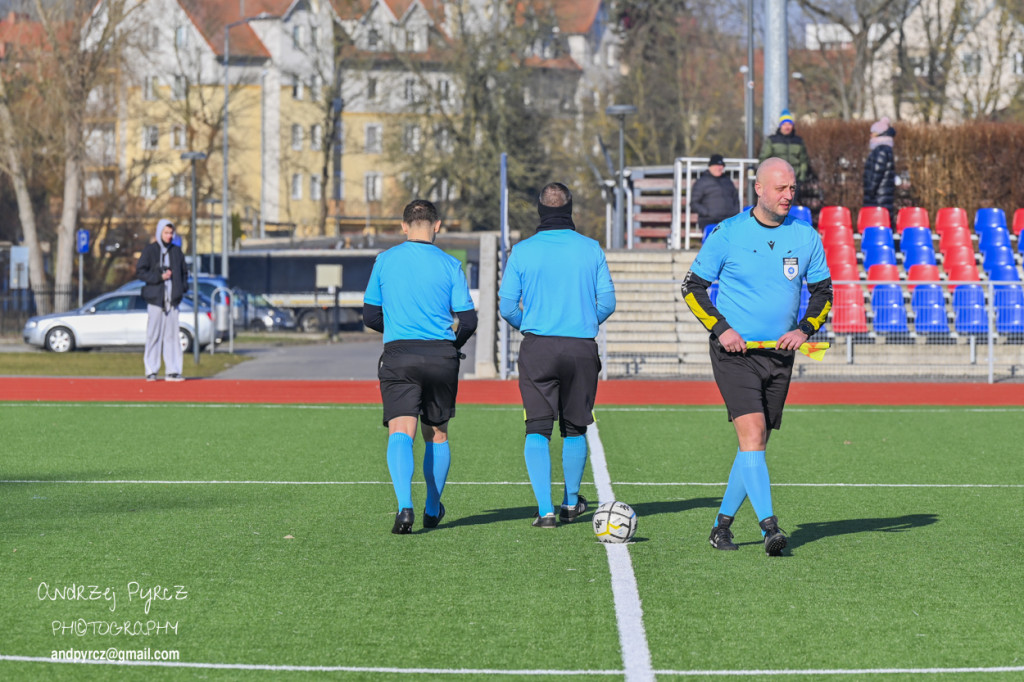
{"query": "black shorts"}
pixel 419 379
pixel 753 382
pixel 558 380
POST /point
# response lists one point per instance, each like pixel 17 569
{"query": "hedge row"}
pixel 969 166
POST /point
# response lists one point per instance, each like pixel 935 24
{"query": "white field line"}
pixel 528 672
pixel 648 484
pixel 636 655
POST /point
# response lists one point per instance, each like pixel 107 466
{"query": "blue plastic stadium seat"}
pixel 713 293
pixel 969 315
pixel 877 236
pixel 879 254
pixel 708 229
pixel 993 237
pixel 1009 302
pixel 929 310
pixel 922 254
pixel 890 315
pixel 805 297
pixel 1003 272
pixel 915 236
pixel 801 213
pixel 989 217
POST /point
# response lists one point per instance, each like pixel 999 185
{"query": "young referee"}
pixel 413 291
pixel 562 279
pixel 759 257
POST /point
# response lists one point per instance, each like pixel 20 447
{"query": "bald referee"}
pixel 759 257
pixel 562 280
pixel 415 288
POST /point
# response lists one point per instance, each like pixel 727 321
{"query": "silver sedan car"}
pixel 111 320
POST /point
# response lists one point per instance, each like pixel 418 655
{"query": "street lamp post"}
pixel 225 221
pixel 193 157
pixel 621 111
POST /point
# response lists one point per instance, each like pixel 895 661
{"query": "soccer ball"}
pixel 614 522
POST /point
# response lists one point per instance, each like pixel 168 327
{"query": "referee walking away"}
pixel 562 279
pixel 413 290
pixel 759 257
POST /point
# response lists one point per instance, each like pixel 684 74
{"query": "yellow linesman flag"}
pixel 815 350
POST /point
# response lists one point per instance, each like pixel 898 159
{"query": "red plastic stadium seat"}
pixel 1018 221
pixel 848 313
pixel 883 272
pixel 912 216
pixel 959 255
pixel 840 254
pixel 872 216
pixel 954 237
pixel 923 273
pixel 950 217
pixel 966 272
pixel 834 215
pixel 837 235
pixel 844 272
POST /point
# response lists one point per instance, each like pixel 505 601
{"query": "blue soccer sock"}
pixel 401 465
pixel 574 461
pixel 538 466
pixel 735 491
pixel 755 478
pixel 436 459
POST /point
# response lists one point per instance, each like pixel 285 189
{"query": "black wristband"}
pixel 807 328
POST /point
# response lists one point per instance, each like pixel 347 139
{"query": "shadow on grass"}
pixel 642 510
pixel 809 532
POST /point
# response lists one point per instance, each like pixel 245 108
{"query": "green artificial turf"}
pixel 206 496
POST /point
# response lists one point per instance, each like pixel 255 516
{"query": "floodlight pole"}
pixel 621 111
pixel 193 157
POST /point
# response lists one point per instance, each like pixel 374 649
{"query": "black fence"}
pixel 17 305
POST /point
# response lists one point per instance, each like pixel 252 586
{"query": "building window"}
pixel 411 139
pixel 314 36
pixel 149 85
pixel 1018 63
pixel 339 139
pixel 316 88
pixel 374 144
pixel 150 137
pixel 180 87
pixel 179 185
pixel 371 184
pixel 444 87
pixel 297 37
pixel 297 186
pixel 178 137
pixel 154 38
pixel 371 89
pixel 296 87
pixel 181 37
pixel 316 137
pixel 410 89
pixel 443 139
pixel 296 137
pixel 149 186
pixel 373 39
pixel 315 187
pixel 339 186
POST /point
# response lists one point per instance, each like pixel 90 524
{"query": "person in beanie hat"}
pixel 880 167
pixel 787 145
pixel 714 196
pixel 162 267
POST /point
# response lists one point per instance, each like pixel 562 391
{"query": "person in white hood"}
pixel 162 267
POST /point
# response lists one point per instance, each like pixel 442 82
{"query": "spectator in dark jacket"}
pixel 880 167
pixel 162 267
pixel 787 145
pixel 714 197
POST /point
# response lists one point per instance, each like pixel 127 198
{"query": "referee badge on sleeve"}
pixel 790 267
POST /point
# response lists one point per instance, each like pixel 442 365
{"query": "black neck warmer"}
pixel 555 217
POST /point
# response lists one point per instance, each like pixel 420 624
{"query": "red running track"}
pixel 486 392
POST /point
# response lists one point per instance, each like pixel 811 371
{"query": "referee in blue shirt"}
pixel 760 258
pixel 562 280
pixel 413 291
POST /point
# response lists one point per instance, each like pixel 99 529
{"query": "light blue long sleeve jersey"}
pixel 563 281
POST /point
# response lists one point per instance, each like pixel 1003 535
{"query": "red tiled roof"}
pixel 356 9
pixel 211 16
pixel 573 16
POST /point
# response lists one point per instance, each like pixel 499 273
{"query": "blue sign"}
pixel 82 241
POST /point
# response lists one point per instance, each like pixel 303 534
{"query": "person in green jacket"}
pixel 787 145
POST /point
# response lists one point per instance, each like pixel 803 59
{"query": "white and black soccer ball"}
pixel 614 522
